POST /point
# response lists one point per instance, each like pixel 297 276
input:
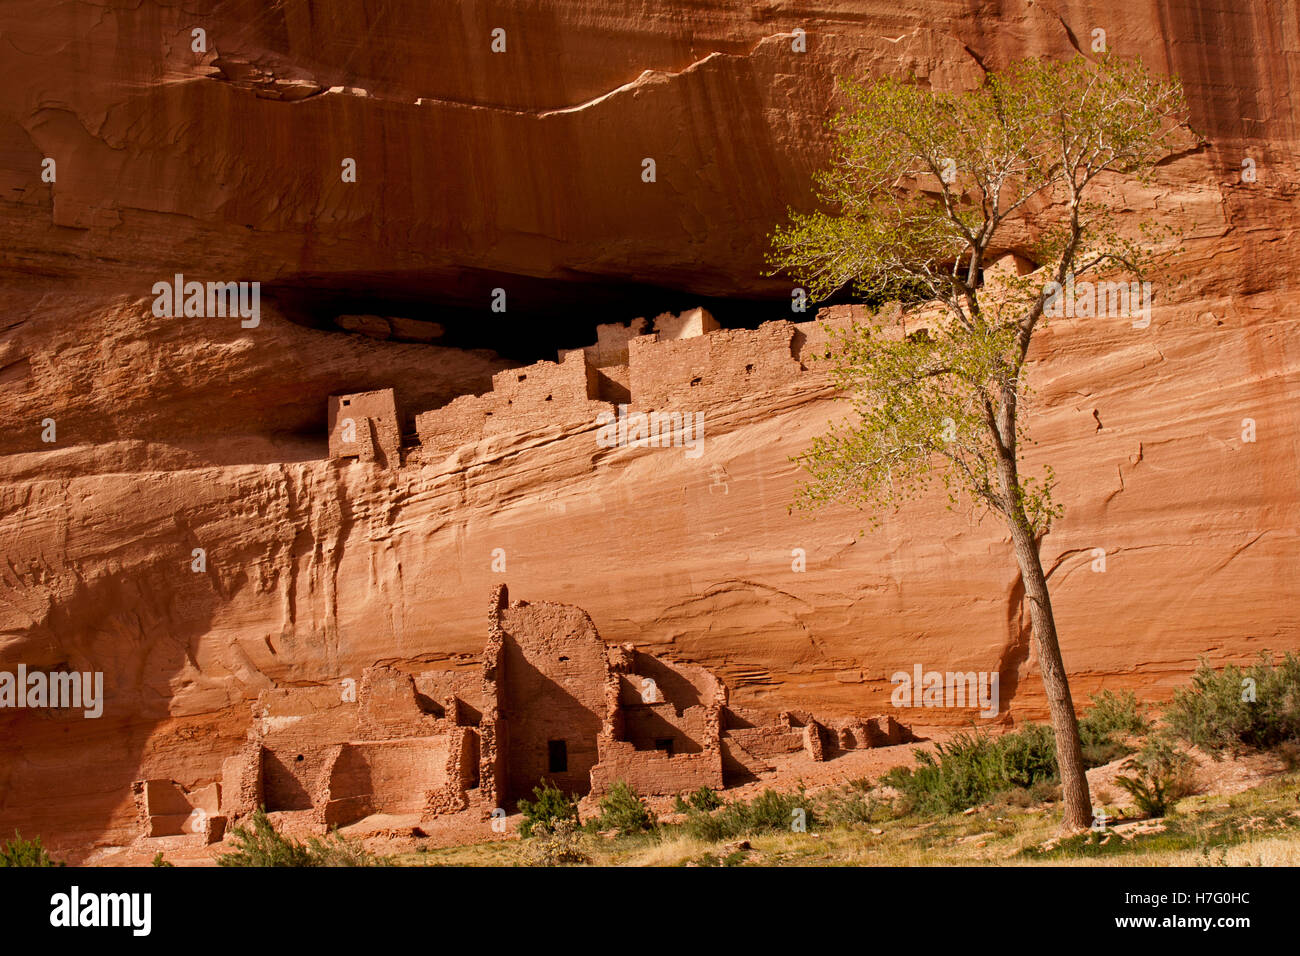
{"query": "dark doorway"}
pixel 557 756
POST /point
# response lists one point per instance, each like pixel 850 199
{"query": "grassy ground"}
pixel 1258 827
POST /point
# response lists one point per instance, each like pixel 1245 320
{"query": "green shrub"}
pixel 769 812
pixel 559 843
pixel 849 806
pixel 702 799
pixel 1110 715
pixel 549 807
pixel 158 860
pixel 262 845
pixel 972 768
pixel 20 852
pixel 1161 775
pixel 1111 719
pixel 1216 714
pixel 335 850
pixel 623 810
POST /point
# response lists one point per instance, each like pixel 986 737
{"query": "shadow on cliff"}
pixel 67 777
pixel 534 318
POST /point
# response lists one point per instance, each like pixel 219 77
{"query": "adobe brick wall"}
pixel 545 393
pixel 460 422
pixel 692 374
pixel 645 724
pixel 552 670
pixel 687 363
pixel 388 706
pixel 161 807
pixel 165 808
pixel 610 347
pixel 385 776
pixel 378 430
pixel 654 772
pixel 241 781
pixel 493 733
pixel 688 324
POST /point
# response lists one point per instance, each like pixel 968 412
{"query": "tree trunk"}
pixel 1065 724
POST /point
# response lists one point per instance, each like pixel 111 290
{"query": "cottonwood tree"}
pixel 924 189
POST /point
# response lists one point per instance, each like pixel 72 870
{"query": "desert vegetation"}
pixel 979 797
pixel 920 192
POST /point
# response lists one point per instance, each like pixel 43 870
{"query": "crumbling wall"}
pixel 552 671
pixel 388 706
pixel 610 348
pixel 691 374
pixel 545 393
pixel 653 772
pixel 493 740
pixel 460 774
pixel 460 422
pixel 454 696
pixel 294 728
pixel 165 808
pixel 689 324
pixel 241 782
pixel 386 776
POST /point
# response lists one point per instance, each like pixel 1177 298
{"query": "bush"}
pixel 549 807
pixel 159 860
pixel 20 852
pixel 972 768
pixel 769 812
pixel 1111 718
pixel 335 850
pixel 849 806
pixel 264 846
pixel 1110 715
pixel 702 799
pixel 1161 776
pixel 1215 713
pixel 623 810
pixel 557 844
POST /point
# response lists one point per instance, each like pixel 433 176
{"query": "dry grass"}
pixel 1256 827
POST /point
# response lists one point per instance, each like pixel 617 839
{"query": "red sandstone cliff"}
pixel 522 169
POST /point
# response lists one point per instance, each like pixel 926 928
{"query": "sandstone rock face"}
pixel 522 170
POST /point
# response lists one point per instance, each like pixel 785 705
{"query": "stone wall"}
pixel 686 364
pixel 692 373
pixel 457 739
pixel 551 689
pixel 655 772
pixel 365 425
pixel 386 776
pixel 545 393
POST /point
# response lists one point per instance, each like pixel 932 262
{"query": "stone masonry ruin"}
pixel 687 363
pixel 549 700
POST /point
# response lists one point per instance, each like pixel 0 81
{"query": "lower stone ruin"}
pixel 549 700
